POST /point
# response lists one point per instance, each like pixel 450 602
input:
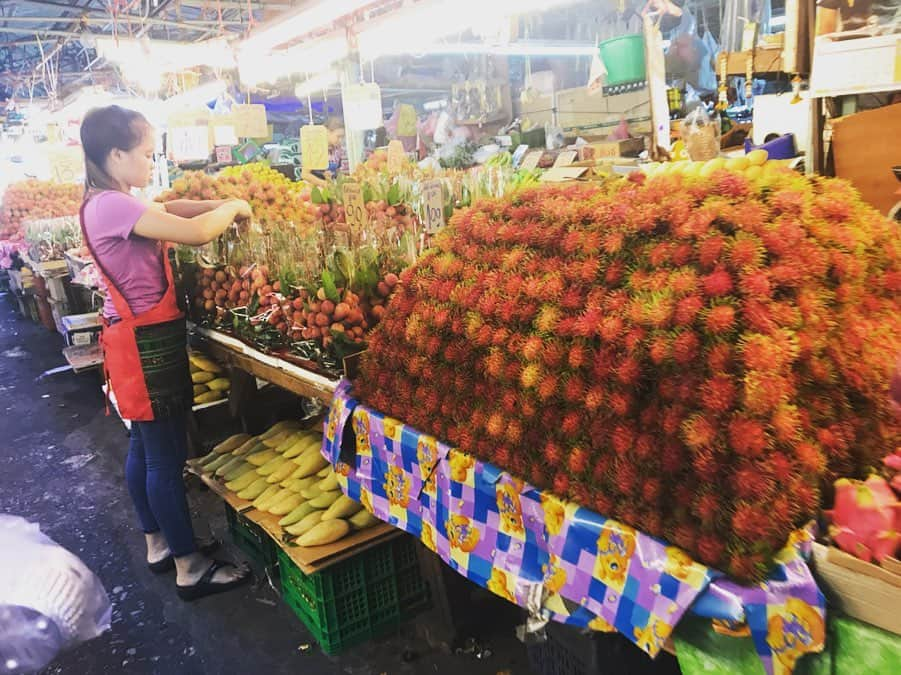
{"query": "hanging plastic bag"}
pixel 707 74
pixel 49 600
pixel 701 134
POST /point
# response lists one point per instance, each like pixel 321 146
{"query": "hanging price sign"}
pixel 354 206
pixel 66 163
pixel 406 120
pixel 250 120
pixel 433 199
pixel 396 157
pixel 314 146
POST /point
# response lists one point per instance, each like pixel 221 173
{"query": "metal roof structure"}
pixel 46 46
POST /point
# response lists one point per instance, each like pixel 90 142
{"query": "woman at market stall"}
pixel 144 334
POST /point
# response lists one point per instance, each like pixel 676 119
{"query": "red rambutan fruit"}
pixel 710 250
pixel 628 371
pixel 577 462
pixel 711 549
pixel 547 386
pixel 574 389
pixel 619 403
pixel 719 357
pixel 687 309
pixel 644 447
pixel 786 423
pixel 651 490
pixel 494 364
pixel 626 478
pixel 682 254
pixel 502 455
pixel 718 283
pixel 496 425
pixel 698 432
pixel 810 458
pixel 708 508
pixel 561 484
pixel 514 432
pixel 602 503
pixel 572 298
pixel 594 398
pixel 658 349
pixel 571 423
pixel 622 439
pixel 685 348
pixel 577 356
pixel 532 348
pixel 747 436
pixel 553 354
pixel 720 319
pixel 718 394
pixel 749 523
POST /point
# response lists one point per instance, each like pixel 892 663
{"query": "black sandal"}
pixel 167 564
pixel 206 586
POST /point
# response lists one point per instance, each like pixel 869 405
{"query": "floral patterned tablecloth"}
pixel 555 558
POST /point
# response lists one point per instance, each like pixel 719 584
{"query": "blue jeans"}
pixel 153 470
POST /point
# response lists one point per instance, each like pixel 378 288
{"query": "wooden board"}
pixel 310 559
pixel 766 60
pixel 236 354
pixel 862 591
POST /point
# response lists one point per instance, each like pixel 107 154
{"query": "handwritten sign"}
pixel 66 163
pixel 362 106
pixel 531 160
pixel 314 146
pixel 433 200
pixel 250 120
pixel 397 158
pixel 189 143
pixel 406 120
pixel 354 206
pixel 565 158
pixel 225 135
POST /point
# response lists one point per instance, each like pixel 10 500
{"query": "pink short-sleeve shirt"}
pixel 134 264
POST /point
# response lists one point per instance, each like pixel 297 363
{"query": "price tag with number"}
pixel 250 120
pixel 531 160
pixel 354 206
pixel 314 146
pixel 565 158
pixel 396 157
pixel 433 198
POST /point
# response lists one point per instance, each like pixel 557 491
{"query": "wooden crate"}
pixel 861 590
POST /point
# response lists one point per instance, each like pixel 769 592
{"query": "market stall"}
pixel 582 324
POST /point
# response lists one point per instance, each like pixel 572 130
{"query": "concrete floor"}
pixel 61 465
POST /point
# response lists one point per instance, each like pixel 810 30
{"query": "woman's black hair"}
pixel 102 130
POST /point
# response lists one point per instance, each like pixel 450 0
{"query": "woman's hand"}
pixel 242 209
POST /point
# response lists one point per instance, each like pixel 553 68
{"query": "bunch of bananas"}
pixel 502 158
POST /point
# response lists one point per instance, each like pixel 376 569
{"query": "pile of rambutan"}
pixel 696 357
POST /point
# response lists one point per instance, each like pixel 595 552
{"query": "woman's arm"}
pixel 188 208
pixel 196 231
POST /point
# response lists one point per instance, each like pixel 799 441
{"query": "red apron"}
pixel 145 357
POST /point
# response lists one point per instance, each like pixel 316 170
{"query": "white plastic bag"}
pixel 49 599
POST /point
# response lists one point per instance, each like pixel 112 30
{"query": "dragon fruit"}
pixel 893 464
pixel 866 518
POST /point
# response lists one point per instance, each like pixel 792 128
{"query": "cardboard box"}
pixel 859 589
pixel 630 147
pixel 865 147
pixel 81 329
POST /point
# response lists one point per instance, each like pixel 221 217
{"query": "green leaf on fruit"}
pixel 394 195
pixel 328 285
pixel 368 195
pixel 316 196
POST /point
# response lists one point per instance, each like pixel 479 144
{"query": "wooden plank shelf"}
pixel 229 351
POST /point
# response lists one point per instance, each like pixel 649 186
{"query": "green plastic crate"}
pixel 358 599
pixel 252 539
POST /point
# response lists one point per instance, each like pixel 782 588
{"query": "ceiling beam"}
pixel 192 24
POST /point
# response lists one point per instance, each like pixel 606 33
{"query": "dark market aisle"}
pixel 61 465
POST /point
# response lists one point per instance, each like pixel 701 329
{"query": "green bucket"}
pixel 623 58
